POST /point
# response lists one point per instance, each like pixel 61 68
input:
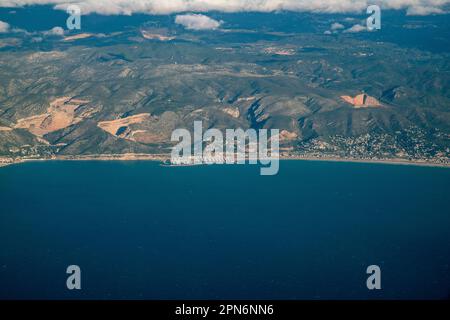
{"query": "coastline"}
pixel 393 161
pixel 166 157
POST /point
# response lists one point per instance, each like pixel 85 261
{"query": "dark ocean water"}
pixel 139 230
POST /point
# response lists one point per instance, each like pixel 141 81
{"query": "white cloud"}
pixel 337 26
pixel 356 28
pixel 4 27
pixel 197 22
pixel 110 7
pixel 56 31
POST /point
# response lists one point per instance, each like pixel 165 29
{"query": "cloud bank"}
pixel 128 7
pixel 197 22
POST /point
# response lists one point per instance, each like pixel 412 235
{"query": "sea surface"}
pixel 142 231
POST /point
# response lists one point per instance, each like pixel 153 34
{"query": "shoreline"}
pixel 393 161
pixel 165 157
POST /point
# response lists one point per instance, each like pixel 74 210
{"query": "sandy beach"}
pixel 166 157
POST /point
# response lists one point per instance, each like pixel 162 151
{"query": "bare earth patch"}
pixel 362 101
pixel 234 112
pixel 60 115
pixel 78 36
pixel 287 135
pixel 153 36
pixel 142 128
pixel 120 127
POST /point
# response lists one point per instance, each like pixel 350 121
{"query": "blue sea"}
pixel 139 230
